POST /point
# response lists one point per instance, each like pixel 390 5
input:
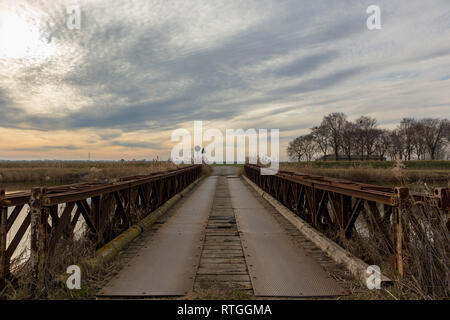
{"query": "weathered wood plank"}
pixel 233 239
pixel 244 286
pixel 215 266
pixel 217 272
pixel 225 246
pixel 221 233
pixel 222 252
pixel 225 277
pixel 226 256
pixel 208 261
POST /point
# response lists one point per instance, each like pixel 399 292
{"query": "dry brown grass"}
pixel 384 176
pixel 428 252
pixel 68 252
pixel 206 169
pixel 49 173
pixel 426 257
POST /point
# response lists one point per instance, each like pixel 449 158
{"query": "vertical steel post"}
pixel 97 218
pixel 4 265
pixel 129 209
pixel 403 196
pixel 398 241
pixel 39 221
pixel 346 210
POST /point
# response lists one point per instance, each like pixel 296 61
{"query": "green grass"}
pixel 227 165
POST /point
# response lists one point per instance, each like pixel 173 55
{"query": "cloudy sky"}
pixel 138 69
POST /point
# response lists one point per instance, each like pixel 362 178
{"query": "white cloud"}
pixel 273 64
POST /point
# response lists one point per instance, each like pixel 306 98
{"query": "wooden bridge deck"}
pixel 202 247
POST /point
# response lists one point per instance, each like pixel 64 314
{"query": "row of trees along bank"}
pixel 337 138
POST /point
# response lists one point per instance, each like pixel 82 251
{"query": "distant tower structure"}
pixel 89 156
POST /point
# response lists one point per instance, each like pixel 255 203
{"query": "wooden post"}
pixel 4 268
pixel 39 221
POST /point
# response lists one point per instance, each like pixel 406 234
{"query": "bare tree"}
pixel 447 132
pixel 418 140
pixel 321 138
pixel 334 124
pixel 295 150
pixel 434 131
pixel 396 149
pixel 447 138
pixel 309 146
pixel 302 148
pixel 412 138
pixel 383 144
pixel 366 132
pixel 372 137
pixel 406 132
pixel 349 141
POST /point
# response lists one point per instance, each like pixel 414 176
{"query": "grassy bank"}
pixel 433 173
pixel 53 172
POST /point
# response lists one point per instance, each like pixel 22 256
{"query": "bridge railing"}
pixel 41 218
pixel 333 205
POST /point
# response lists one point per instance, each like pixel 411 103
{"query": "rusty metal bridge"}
pixel 220 235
